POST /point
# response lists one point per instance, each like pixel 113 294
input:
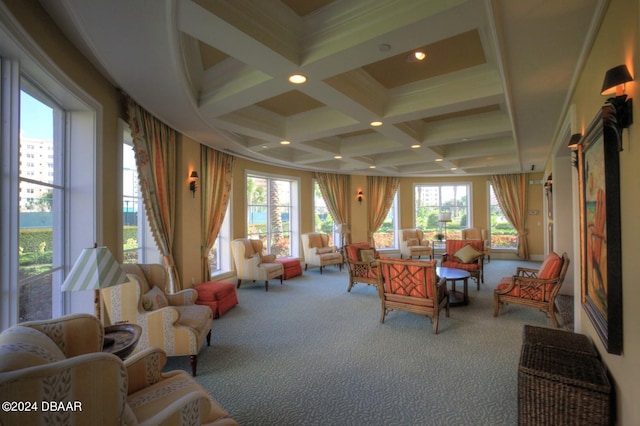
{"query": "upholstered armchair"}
pixel 361 262
pixel 412 286
pixel 60 362
pixel 414 243
pixel 467 255
pixel 172 322
pixel 478 234
pixel 318 252
pixel 252 264
pixel 534 288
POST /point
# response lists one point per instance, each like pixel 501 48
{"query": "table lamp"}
pixel 444 217
pixel 96 268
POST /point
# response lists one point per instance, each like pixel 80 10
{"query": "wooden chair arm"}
pixel 526 272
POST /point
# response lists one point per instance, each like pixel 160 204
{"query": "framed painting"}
pixel 599 171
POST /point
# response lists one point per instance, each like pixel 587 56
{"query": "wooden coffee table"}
pixel 456 298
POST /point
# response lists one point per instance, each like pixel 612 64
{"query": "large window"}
pixel 503 234
pixel 42 195
pixel 134 219
pixel 386 236
pixel 431 200
pixel 272 213
pixel 322 220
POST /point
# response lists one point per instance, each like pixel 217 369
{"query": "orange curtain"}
pixel 380 190
pixel 335 191
pixel 154 144
pixel 511 193
pixel 215 182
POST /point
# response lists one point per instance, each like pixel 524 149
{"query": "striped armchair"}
pixel 252 264
pixel 172 322
pixel 60 361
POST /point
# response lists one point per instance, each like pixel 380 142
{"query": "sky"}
pixel 36 118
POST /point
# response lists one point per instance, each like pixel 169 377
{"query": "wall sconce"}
pixel 360 196
pixel 192 184
pixel 573 146
pixel 614 83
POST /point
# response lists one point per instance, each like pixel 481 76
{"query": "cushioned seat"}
pixel 172 322
pixel 318 252
pixel 252 264
pixel 361 261
pixel 534 288
pixel 218 295
pixel 291 265
pixel 61 361
pixel 414 243
pixel 467 255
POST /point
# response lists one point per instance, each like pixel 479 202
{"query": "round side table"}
pixel 121 339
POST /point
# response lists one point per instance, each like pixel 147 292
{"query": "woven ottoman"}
pixel 291 265
pixel 218 295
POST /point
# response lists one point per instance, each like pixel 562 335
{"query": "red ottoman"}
pixel 218 295
pixel 291 266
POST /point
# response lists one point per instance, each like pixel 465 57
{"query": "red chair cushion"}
pixel 550 267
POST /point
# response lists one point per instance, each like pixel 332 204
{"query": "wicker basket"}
pixel 559 388
pixel 561 339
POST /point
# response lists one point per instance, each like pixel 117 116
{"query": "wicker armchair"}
pixel 361 262
pixel 478 234
pixel 467 255
pixel 534 288
pixel 412 286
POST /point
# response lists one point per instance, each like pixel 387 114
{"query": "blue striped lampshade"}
pixel 96 268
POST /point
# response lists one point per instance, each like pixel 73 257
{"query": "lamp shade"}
pixel 96 268
pixel 444 217
pixel 343 228
pixel 616 76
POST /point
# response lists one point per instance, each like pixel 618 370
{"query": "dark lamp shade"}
pixel 615 77
pixel 194 175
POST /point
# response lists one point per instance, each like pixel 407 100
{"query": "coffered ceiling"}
pixel 487 99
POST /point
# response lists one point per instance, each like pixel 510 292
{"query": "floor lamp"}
pixel 444 217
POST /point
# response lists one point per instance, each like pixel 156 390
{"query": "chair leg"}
pixel 239 281
pixel 496 304
pixel 435 320
pixel 320 269
pixel 209 338
pixel 193 360
pixel 552 314
pixel 266 285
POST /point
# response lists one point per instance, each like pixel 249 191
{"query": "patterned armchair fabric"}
pixel 177 325
pixel 453 257
pixel 534 288
pixel 361 261
pixel 318 252
pixel 414 243
pixel 412 286
pixel 60 361
pixel 478 234
pixel 251 264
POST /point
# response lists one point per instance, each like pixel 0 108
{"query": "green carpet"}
pixel 309 353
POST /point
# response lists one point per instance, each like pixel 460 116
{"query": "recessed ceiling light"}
pixel 376 123
pixel 454 169
pixel 384 47
pixel 338 157
pixel 297 78
pixel 438 160
pixel 372 166
pixel 419 55
pixel 416 146
pixel 285 142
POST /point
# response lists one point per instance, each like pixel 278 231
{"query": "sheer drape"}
pixel 215 184
pixel 380 190
pixel 154 144
pixel 335 191
pixel 511 193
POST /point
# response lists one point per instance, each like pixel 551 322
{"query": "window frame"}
pixel 469 207
pixel 489 215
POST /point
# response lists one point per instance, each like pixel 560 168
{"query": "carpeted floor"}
pixel 309 353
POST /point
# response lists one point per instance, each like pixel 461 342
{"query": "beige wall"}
pixel 617 43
